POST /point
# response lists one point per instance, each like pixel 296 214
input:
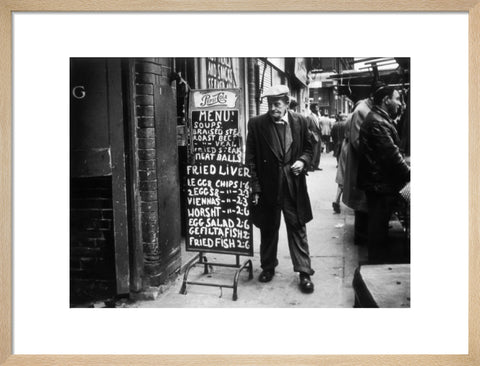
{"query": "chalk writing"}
pixel 218 186
pixel 220 73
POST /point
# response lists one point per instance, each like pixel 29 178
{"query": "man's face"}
pixel 315 109
pixel 277 107
pixel 394 104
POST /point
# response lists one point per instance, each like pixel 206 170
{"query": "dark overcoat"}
pixel 354 197
pixel 266 162
pixel 382 168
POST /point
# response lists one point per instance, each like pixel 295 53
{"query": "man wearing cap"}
pixel 382 171
pixel 279 152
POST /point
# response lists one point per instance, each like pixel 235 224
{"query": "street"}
pixel 334 259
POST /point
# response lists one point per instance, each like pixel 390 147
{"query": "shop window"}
pixel 222 72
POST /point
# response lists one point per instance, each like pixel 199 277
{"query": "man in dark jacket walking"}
pixel 279 152
pixel 382 169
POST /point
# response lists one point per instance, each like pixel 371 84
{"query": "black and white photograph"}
pixel 240 182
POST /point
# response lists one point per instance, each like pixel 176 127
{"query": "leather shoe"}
pixel 306 285
pixel 266 276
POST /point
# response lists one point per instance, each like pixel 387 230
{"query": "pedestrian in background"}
pixel 353 197
pixel 326 125
pixel 338 135
pixel 316 134
pixel 293 104
pixel 382 171
pixel 278 153
pixel 340 152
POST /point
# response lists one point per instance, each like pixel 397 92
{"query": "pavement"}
pixel 334 259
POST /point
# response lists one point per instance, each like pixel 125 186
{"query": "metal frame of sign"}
pixel 202 260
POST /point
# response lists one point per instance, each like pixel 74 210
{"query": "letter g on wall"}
pixel 78 92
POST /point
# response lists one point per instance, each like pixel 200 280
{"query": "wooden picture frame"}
pixel 7 7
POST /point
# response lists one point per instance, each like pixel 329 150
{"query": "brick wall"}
pixel 147 172
pixel 151 73
pixel 92 267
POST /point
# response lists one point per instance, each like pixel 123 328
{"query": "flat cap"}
pixel 276 91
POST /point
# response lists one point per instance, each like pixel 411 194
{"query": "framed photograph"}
pixel 135 180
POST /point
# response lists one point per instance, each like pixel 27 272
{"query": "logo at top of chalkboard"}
pixel 214 99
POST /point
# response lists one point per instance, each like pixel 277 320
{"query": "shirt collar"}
pixel 284 119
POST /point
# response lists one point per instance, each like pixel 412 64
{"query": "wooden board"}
pixel 119 195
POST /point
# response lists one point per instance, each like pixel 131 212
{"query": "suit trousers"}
pixel 296 234
pixel 380 208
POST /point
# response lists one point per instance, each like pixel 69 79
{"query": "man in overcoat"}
pixel 279 153
pixel 382 170
pixel 354 197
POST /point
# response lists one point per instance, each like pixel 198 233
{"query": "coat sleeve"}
pixel 357 119
pixel 251 158
pixel 388 152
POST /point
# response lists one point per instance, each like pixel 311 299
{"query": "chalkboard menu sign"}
pixel 218 183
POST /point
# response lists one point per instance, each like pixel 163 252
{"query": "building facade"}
pixel 323 89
